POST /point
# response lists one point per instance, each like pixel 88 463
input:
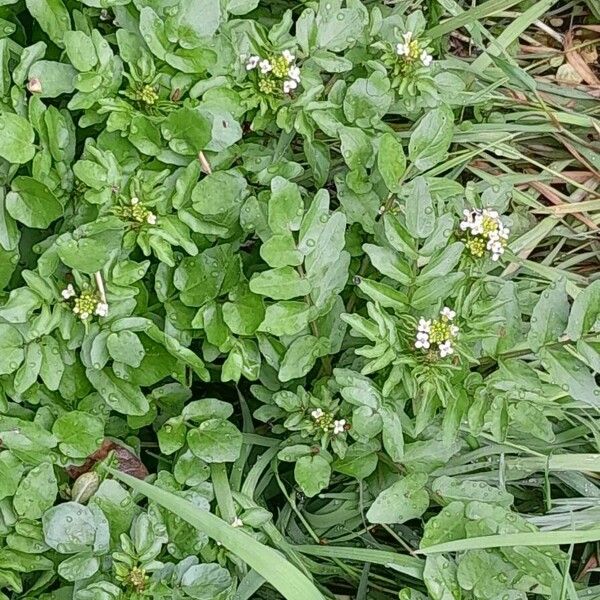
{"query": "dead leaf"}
pixel 128 462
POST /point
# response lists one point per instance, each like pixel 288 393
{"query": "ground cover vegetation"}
pixel 299 299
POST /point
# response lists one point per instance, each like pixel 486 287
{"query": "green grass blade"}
pixel 470 16
pixel 511 33
pixel 268 563
pixel 409 565
pixel 538 538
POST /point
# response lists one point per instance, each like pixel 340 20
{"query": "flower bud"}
pixel 34 85
pixel 85 487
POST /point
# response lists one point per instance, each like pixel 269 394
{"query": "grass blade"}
pixel 538 538
pixel 409 565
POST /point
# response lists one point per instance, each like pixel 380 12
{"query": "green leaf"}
pixel 240 7
pixel 549 317
pixel 285 318
pixel 280 251
pixel 55 78
pixel 312 474
pixel 391 161
pixel 12 352
pixel 359 461
pixel 439 576
pixel 368 100
pixel 585 311
pixel 80 50
pixel 571 375
pixel 16 138
pixel 17 434
pixel 452 489
pixel 187 131
pixel 125 347
pixel 79 567
pixel 402 501
pixel 280 573
pixel 356 146
pixel 285 206
pixel 53 17
pixel 206 276
pixel 393 439
pixel 32 203
pixel 430 140
pixel 442 263
pixel 245 311
pixel 11 470
pixel 301 356
pixel 36 492
pixel 79 433
pixel 420 216
pixel 215 440
pixel 206 581
pixel 337 28
pixel 282 283
pixel 389 263
pixel 118 394
pixel 69 528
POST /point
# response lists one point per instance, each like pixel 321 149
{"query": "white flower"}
pixel 289 85
pixel 404 49
pixel 339 426
pixel 252 63
pixel 497 250
pixel 317 413
pixel 289 57
pixel 426 58
pixel 446 348
pixel 134 201
pixel 101 309
pixel 422 340
pixel 424 325
pixel 448 313
pixel 68 292
pixel 151 218
pixel 294 73
pixel 265 66
pixel 237 522
pixel 453 330
pixel 84 315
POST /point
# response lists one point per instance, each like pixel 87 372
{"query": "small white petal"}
pixel 134 201
pixel 237 522
pixel 289 57
pixel 426 58
pixel 317 413
pixel 151 219
pixel 294 73
pixel 265 66
pixel 252 63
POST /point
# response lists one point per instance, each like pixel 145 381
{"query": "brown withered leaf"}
pixel 128 462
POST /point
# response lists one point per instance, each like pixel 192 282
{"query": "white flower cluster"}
pixel 325 421
pixel 412 50
pixel 486 227
pixel 440 332
pixel 142 213
pixel 282 67
pixel 86 304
